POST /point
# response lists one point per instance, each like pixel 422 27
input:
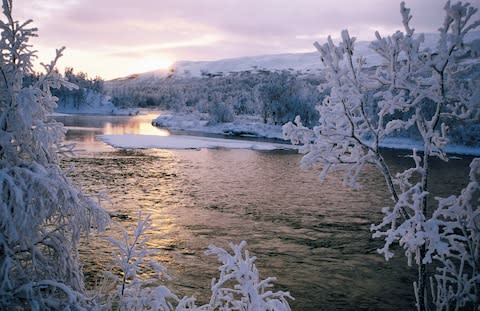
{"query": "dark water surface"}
pixel 313 237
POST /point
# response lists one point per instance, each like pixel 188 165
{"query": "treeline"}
pixel 75 98
pixel 275 96
pixel 86 89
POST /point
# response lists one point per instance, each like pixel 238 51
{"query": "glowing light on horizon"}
pixel 151 63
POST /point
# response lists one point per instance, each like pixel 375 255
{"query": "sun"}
pixel 152 63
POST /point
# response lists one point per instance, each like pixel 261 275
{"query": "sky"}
pixel 115 38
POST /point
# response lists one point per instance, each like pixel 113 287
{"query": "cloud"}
pixel 210 29
pixel 138 50
pixel 133 22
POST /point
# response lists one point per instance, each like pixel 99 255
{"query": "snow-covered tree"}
pixel 455 242
pixel 87 90
pixel 129 291
pixel 239 286
pixel 220 112
pixel 274 96
pixel 284 95
pixel 418 88
pixel 42 214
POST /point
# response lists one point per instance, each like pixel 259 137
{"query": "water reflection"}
pixel 141 124
pixel 83 129
pixel 314 237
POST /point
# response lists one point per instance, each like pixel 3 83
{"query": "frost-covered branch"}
pixel 457 246
pixel 42 214
pixel 416 88
pixel 239 286
pixel 129 291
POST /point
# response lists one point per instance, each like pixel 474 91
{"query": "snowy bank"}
pixel 246 126
pixel 131 141
pixel 410 144
pixel 254 127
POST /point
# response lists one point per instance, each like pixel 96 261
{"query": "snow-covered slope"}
pixel 299 61
pixel 303 62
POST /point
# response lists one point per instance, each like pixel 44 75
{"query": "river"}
pixel 314 237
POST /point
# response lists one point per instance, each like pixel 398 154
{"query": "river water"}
pixel 313 237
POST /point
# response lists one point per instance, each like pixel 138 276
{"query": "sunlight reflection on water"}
pixel 83 129
pixel 314 237
pixel 141 124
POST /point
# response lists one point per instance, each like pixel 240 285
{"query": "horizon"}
pixel 117 39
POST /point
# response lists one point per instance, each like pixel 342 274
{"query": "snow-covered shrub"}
pixel 416 88
pixel 276 96
pixel 239 286
pixel 283 96
pixel 129 291
pixel 220 112
pixel 455 243
pixel 42 214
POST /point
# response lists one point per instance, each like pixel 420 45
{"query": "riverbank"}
pixel 252 126
pixel 242 126
pixel 189 131
pixel 136 141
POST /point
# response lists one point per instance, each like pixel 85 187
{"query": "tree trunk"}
pixel 422 288
pixel 422 304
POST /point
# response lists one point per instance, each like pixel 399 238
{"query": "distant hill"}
pixel 303 62
pixel 299 62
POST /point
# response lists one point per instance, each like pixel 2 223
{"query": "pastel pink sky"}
pixel 113 38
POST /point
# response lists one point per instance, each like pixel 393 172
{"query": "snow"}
pixel 303 62
pixel 253 127
pixel 246 126
pixel 297 61
pixel 95 103
pixel 241 127
pixel 133 141
pixel 410 144
pixel 192 124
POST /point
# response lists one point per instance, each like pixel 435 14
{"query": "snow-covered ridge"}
pixel 303 62
pixel 299 62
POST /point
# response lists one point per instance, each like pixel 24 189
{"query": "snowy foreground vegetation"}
pixel 416 89
pixel 43 215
